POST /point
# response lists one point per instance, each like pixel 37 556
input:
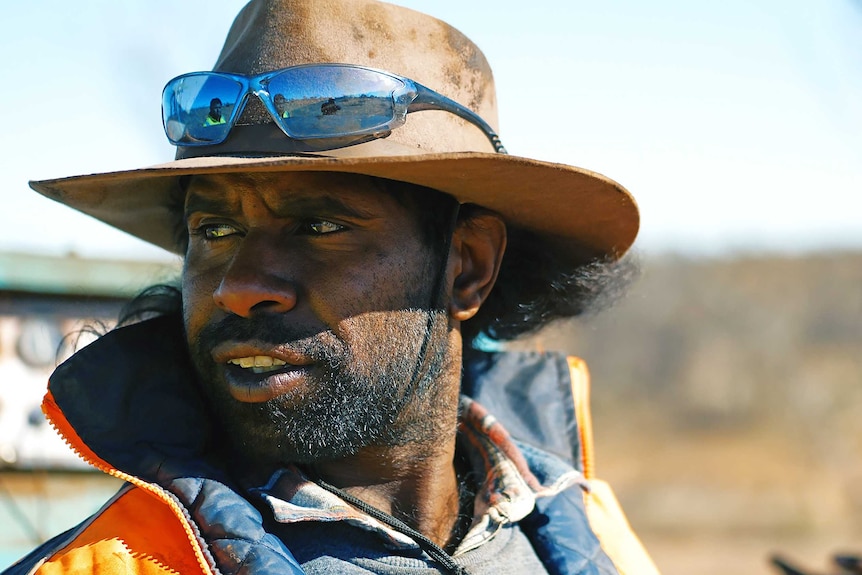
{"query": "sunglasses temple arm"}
pixel 428 99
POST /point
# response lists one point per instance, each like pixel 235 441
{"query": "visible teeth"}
pixel 257 361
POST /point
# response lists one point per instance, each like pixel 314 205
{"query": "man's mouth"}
pixel 256 373
pixel 258 363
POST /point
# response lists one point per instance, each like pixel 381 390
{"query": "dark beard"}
pixel 382 390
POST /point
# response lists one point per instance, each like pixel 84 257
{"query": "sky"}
pixel 736 125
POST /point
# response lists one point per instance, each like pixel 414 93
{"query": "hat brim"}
pixel 579 210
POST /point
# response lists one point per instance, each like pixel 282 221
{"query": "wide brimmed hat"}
pixel 574 209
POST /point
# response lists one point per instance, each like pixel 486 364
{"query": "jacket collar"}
pixel 132 398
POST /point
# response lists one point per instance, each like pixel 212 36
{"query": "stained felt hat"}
pixel 577 210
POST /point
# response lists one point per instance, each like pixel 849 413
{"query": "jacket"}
pixel 128 405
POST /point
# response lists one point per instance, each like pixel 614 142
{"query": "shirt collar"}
pixel 507 489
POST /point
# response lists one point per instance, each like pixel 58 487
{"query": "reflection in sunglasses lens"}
pixel 336 101
pixel 199 108
pixel 309 102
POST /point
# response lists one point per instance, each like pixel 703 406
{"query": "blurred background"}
pixel 727 386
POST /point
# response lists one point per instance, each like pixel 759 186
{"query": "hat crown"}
pixel 272 34
pixel 575 210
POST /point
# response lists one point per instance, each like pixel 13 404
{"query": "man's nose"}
pixel 251 286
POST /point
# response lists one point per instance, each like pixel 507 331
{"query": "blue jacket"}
pixel 129 406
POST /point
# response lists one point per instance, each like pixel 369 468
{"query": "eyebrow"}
pixel 296 204
pixel 200 203
pixel 325 204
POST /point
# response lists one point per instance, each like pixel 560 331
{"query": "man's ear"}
pixel 478 244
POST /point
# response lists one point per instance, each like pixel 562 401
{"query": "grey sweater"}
pixel 339 548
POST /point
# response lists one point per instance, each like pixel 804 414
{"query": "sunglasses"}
pixel 316 102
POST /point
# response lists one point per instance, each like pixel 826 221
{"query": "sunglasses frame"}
pixel 411 97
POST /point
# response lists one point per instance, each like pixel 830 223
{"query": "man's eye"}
pixel 321 227
pixel 217 231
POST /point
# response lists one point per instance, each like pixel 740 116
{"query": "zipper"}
pixel 58 421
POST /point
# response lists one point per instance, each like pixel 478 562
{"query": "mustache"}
pixel 269 330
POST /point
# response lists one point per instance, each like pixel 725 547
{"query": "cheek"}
pixel 383 308
pixel 384 341
pixel 198 304
pixel 385 280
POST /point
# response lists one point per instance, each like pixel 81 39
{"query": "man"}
pixel 311 398
pixel 281 106
pixel 214 117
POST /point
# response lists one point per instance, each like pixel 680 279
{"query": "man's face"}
pixel 307 305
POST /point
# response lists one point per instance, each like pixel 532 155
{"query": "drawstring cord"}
pixel 432 549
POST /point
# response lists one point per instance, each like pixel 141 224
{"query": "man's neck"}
pixel 414 481
pixel 417 485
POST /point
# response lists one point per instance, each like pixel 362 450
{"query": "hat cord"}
pixel 433 550
pixel 438 291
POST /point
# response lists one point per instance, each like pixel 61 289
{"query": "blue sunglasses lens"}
pixel 309 102
pixel 332 101
pixel 199 108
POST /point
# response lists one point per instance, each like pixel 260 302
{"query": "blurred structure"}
pixel 49 307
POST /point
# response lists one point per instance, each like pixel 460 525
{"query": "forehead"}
pixel 292 191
